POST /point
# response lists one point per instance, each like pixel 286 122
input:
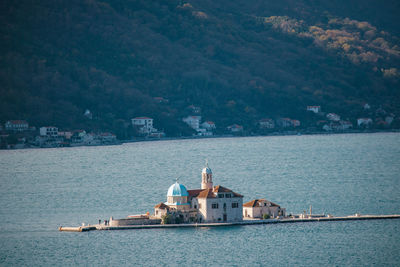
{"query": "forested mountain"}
pixel 238 60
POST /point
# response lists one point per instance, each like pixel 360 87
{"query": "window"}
pixel 156 212
pixel 221 195
pixel 235 205
pixel 214 206
pixel 195 206
pixel 228 196
pixel 265 204
pixel 199 205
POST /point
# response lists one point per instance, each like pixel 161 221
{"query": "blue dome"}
pixel 177 190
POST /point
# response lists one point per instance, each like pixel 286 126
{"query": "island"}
pixel 211 206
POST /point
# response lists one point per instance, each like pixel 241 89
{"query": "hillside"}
pixel 238 60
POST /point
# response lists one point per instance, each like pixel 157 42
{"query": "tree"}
pixel 266 216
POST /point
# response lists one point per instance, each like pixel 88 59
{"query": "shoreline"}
pixel 287 133
pixel 244 222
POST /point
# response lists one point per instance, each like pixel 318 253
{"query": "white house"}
pixel 327 127
pixel 79 136
pixel 208 125
pixel 258 207
pixel 389 119
pixel 333 117
pixel 193 121
pixel 107 138
pixel 49 131
pixel 266 123
pixel 364 122
pixel 235 128
pixel 194 109
pixel 88 114
pixel 144 125
pixel 284 122
pixel 315 109
pixel 16 125
pixel 67 135
pixel 295 123
pixel 346 125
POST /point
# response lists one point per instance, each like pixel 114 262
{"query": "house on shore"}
pixel 16 125
pixel 364 122
pixel 235 128
pixel 257 208
pixel 144 125
pixel 266 123
pixel 49 131
pixel 193 122
pixel 208 125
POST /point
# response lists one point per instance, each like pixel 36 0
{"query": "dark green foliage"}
pixel 166 219
pixel 59 58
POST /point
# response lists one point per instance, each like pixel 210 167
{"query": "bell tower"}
pixel 206 178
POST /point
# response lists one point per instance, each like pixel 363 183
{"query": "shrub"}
pixel 166 219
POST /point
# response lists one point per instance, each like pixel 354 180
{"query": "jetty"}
pixel 356 217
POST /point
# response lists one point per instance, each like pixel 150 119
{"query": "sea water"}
pixel 42 189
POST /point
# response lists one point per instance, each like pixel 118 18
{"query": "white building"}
pixel 389 119
pixel 67 135
pixel 208 125
pixel 235 128
pixel 208 204
pixel 79 136
pixel 345 125
pixel 144 125
pixel 108 138
pixel 88 114
pixel 193 121
pixel 266 123
pixel 295 123
pixel 315 109
pixel 16 125
pixel 333 117
pixel 364 122
pixel 49 131
pixel 284 122
pixel 194 109
pixel 257 208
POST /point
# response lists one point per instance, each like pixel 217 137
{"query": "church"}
pixel 206 205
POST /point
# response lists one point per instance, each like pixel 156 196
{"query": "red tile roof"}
pixel 161 206
pixel 195 192
pixel 254 203
pixel 206 193
pixel 220 188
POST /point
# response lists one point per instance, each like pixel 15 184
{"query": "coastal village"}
pixel 20 134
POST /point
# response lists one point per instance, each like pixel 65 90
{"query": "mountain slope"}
pixel 231 58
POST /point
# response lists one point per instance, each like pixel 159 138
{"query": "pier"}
pixel 244 222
